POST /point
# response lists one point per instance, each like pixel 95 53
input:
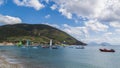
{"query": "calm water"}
pixel 90 57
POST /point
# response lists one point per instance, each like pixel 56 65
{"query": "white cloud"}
pixel 104 37
pixel 118 31
pixel 115 24
pixel 102 10
pixel 85 8
pixel 107 35
pixel 111 37
pixel 30 3
pixel 111 11
pixel 1 2
pixel 9 20
pixel 96 26
pixel 53 7
pixel 47 1
pixel 47 16
pixel 84 34
pixel 65 13
pixel 77 32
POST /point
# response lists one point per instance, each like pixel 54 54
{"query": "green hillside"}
pixel 37 33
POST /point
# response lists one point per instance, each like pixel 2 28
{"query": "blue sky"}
pixel 86 20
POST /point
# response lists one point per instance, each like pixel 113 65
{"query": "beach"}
pixel 5 64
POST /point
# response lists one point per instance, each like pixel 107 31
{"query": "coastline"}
pixel 6 64
pixel 6 44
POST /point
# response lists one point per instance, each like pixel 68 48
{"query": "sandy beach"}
pixel 5 64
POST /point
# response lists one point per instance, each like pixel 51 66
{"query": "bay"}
pixel 63 57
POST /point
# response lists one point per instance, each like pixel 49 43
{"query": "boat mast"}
pixel 28 42
pixel 50 42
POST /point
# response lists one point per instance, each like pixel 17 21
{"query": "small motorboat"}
pixel 35 47
pixel 107 50
pixel 54 47
pixel 79 47
pixel 45 46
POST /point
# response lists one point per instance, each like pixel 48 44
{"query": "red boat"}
pixel 107 50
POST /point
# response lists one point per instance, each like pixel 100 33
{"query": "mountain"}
pixel 93 44
pixel 105 44
pixel 36 33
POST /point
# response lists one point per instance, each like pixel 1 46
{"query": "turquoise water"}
pixel 68 57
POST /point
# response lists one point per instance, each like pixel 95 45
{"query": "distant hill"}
pixel 37 33
pixel 93 44
pixel 105 44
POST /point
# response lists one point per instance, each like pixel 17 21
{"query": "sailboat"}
pixel 53 46
pixel 50 42
pixel 47 46
pixel 27 43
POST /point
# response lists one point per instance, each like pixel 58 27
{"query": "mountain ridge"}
pixel 39 33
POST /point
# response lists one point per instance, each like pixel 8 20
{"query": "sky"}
pixel 86 20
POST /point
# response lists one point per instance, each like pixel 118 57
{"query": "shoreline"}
pixel 5 64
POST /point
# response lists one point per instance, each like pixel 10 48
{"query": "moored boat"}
pixel 45 46
pixel 107 50
pixel 54 47
pixel 79 47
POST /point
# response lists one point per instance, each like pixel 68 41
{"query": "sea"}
pixel 63 57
